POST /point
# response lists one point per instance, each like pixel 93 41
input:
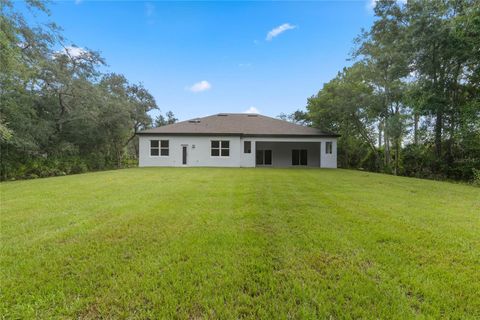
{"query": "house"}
pixel 237 140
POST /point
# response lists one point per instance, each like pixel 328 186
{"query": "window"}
pixel 264 157
pixel 220 148
pixel 299 157
pixel 154 148
pixel 159 148
pixel 328 147
pixel 164 148
pixel 247 146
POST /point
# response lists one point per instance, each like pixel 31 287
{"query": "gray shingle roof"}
pixel 243 124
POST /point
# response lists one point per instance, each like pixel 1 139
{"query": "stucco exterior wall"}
pixel 198 152
pixel 247 159
pixel 199 148
pixel 328 160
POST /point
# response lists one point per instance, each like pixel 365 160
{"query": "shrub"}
pixel 79 167
pixel 476 177
pixel 371 162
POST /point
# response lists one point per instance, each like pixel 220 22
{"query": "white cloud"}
pixel 149 9
pixel 200 86
pixel 278 30
pixel 251 110
pixel 370 4
pixel 73 52
pixel 150 13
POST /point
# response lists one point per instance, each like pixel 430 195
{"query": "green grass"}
pixel 239 243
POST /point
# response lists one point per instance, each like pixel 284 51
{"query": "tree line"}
pixel 409 104
pixel 60 113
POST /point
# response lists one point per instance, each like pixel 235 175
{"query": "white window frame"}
pixel 160 148
pixel 220 148
pixel 328 147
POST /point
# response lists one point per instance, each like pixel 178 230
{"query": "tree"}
pixel 59 113
pixel 417 70
pixel 297 117
pixel 383 50
pixel 347 105
pixel 161 120
pixel 444 58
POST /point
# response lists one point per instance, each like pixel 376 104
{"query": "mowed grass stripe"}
pixel 233 243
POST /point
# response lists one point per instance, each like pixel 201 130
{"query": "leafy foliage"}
pixel 411 103
pixel 476 177
pixel 59 114
pixel 162 120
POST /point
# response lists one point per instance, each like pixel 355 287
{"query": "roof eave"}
pixel 329 135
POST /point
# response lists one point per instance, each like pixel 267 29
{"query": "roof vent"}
pixel 222 114
pixel 194 121
pixel 252 115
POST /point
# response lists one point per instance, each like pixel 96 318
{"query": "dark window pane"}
pixel 225 144
pixel 215 152
pixel 164 143
pixel 225 152
pixel 268 157
pixel 295 157
pixel 153 143
pixel 259 157
pixel 215 144
pixel 247 147
pixel 164 152
pixel 154 152
pixel 303 157
pixel 328 147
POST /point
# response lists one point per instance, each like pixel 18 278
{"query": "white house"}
pixel 237 140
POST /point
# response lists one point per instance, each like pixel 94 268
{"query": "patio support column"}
pixel 320 162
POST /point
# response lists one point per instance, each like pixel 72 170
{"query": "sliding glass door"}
pixel 299 157
pixel 264 157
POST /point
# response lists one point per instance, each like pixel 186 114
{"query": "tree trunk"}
pixel 439 111
pixel 371 144
pixel 438 133
pixel 451 139
pixel 119 156
pixel 415 128
pixel 136 148
pixel 386 144
pixel 380 129
pixel 347 155
pixel 397 155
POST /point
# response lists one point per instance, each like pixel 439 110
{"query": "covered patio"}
pixel 287 154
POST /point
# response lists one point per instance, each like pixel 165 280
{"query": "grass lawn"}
pixel 239 243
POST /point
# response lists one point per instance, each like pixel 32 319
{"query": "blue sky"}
pixel 200 58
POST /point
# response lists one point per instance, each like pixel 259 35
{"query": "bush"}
pixel 371 161
pixel 129 161
pixel 476 177
pixel 42 167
